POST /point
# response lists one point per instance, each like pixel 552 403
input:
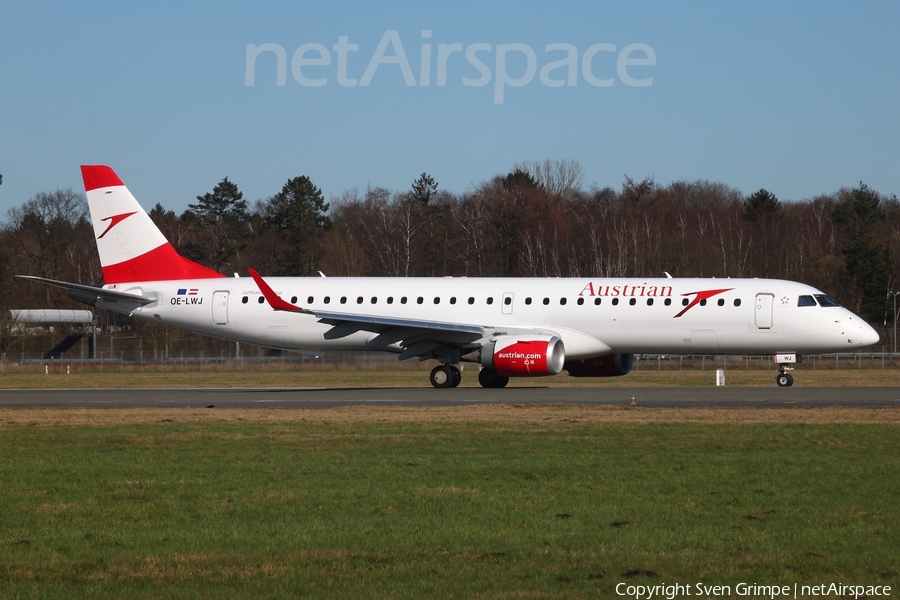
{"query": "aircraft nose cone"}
pixel 868 336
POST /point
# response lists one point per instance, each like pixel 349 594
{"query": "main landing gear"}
pixel 445 376
pixel 488 378
pixel 448 376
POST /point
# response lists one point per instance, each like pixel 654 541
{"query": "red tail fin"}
pixel 131 247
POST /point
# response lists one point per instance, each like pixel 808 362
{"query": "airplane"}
pixel 511 327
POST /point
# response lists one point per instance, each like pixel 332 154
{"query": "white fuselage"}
pixel 593 317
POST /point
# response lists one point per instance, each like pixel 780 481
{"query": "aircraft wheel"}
pixel 442 377
pixel 784 380
pixel 489 378
pixel 457 376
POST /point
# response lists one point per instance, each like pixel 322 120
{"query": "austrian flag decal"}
pixel 186 297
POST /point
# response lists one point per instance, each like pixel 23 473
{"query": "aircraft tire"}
pixel 784 380
pixel 488 378
pixel 442 377
pixel 457 376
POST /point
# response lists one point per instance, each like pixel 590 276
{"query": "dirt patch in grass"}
pixel 488 413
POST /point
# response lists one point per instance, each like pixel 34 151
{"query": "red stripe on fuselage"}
pixel 160 264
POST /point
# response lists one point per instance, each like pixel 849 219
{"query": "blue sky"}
pixel 796 97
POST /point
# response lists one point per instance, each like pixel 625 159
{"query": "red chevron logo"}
pixel 115 220
pixel 698 296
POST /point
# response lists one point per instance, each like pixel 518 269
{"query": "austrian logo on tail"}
pixel 115 220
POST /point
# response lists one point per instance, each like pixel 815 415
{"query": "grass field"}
pixel 490 501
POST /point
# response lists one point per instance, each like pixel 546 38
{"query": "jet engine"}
pixel 524 355
pixel 611 365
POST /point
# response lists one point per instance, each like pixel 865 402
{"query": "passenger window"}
pixel 546 301
pixel 390 299
pixel 244 300
pixel 490 300
pixel 403 300
pixel 420 300
pixel 632 302
pixel 437 300
pixel 580 301
pixel 562 301
pixel 528 301
pixel 343 299
pixel 806 301
pixel 597 301
pixel 471 300
pixel 737 301
pixel 649 301
pixel 261 300
pixel 359 299
pixel 374 300
pixel 685 302
pixel 615 301
pixel 668 302
pixel 507 301
pixel 327 299
pixel 721 302
pixel 703 302
pixel 452 299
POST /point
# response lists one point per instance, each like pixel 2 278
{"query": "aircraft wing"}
pixel 410 337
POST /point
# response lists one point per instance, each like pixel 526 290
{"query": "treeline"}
pixel 539 220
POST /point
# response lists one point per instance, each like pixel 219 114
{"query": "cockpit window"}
pixel 806 301
pixel 826 301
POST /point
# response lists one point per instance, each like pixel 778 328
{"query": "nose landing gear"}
pixel 784 379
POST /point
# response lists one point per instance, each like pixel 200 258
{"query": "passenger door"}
pixel 764 305
pixel 220 308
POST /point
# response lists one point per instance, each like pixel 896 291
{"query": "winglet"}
pixel 271 297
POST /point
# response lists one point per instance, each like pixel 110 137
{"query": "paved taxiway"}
pixel 305 397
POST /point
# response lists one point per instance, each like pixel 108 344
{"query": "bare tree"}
pixel 561 178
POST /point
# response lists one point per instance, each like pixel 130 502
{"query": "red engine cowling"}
pixel 611 365
pixel 525 355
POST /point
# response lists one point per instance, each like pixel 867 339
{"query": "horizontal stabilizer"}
pixel 91 290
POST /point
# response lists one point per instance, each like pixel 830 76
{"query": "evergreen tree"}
pixel 424 188
pixel 868 261
pixel 760 205
pixel 221 221
pixel 298 213
pixel 519 180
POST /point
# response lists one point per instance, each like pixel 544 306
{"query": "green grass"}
pixel 458 510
